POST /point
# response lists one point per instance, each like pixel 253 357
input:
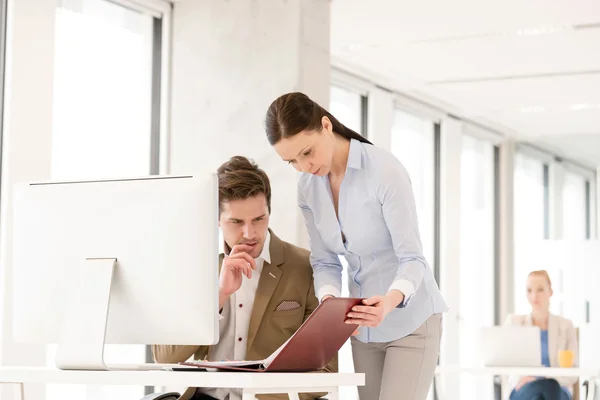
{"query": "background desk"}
pixel 581 373
pixel 252 383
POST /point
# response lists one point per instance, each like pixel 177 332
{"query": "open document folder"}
pixel 313 345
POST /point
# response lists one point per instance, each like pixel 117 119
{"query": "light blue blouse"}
pixel 377 215
pixel 545 355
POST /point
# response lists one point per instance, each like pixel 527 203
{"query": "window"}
pixel 350 108
pixel 575 206
pixel 477 256
pixel 413 143
pixel 106 117
pixel 530 219
pixel 102 91
pixel 575 224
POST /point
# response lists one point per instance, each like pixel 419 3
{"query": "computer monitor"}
pixel 126 261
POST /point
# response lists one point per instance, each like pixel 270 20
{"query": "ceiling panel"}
pixel 582 148
pixel 359 20
pixel 532 66
pixel 548 92
pixel 488 57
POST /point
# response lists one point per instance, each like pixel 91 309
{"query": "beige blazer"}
pixel 268 329
pixel 561 336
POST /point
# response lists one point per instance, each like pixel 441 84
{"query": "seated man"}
pixel 265 285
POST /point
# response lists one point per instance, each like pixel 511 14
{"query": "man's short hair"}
pixel 239 179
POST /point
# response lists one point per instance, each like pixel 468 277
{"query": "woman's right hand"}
pixel 524 381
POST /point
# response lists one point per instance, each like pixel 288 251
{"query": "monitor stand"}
pixel 81 344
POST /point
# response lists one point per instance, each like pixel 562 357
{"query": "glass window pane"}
pixel 413 143
pixel 574 224
pixel 102 91
pixel 529 217
pixel 102 123
pixel 477 302
pixel 346 106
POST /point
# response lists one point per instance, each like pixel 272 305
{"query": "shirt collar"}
pixel 266 251
pixel 355 154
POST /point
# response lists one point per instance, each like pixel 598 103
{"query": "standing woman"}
pixel 357 201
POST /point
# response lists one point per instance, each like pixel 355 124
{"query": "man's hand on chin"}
pixel 237 264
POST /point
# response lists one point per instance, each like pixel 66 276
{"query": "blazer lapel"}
pixel 269 278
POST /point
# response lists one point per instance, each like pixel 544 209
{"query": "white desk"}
pixel 251 382
pixel 582 373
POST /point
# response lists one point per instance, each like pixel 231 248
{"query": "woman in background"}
pixel 557 333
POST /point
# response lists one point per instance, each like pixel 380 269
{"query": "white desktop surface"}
pixel 521 371
pixel 251 382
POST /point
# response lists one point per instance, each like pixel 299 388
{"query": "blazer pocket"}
pixel 288 321
pixel 288 313
pixel 288 305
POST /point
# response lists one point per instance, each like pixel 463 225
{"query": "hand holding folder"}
pixel 310 348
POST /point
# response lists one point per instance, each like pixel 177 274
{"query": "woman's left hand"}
pixel 375 309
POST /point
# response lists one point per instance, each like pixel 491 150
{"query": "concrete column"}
pixel 451 137
pixel 506 229
pixel 557 179
pixel 231 59
pixel 26 153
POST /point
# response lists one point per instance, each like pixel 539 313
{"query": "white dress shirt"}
pixel 233 326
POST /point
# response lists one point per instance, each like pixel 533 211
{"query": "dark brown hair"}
pixel 240 179
pixel 295 112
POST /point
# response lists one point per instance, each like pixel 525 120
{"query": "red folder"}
pixel 313 345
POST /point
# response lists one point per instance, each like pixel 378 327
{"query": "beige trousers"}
pixel 402 369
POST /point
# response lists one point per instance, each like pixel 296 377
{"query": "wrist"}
pixel 395 298
pixel 223 297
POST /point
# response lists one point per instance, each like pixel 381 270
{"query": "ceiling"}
pixel 530 68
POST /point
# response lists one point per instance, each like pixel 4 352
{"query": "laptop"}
pixel 511 346
pixel 313 345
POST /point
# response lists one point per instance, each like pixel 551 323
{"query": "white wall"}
pixel 230 61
